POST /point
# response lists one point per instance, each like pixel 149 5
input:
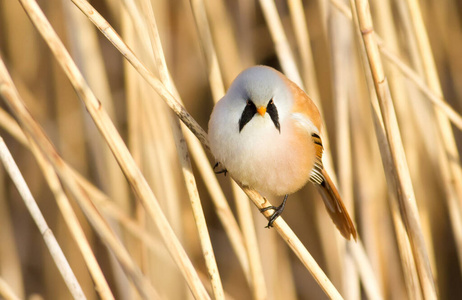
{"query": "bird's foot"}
pixel 277 211
pixel 222 170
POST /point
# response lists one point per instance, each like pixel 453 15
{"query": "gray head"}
pixel 260 88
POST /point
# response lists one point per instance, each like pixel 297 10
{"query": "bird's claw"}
pixel 223 170
pixel 277 211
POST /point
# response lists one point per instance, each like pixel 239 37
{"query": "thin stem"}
pixel 50 240
pixel 401 172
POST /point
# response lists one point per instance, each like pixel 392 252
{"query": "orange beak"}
pixel 261 110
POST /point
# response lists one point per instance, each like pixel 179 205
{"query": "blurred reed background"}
pixel 390 99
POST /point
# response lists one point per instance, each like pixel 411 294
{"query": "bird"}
pixel 266 132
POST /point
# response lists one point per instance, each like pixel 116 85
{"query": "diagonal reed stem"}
pixel 118 147
pixel 50 240
pixel 401 172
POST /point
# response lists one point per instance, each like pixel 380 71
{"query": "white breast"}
pixel 263 158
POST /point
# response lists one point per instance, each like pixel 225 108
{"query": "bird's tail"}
pixel 335 206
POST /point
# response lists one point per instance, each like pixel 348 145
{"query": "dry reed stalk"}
pixel 432 79
pixel 92 214
pixel 407 113
pixel 158 163
pixel 188 175
pixel 146 143
pixel 283 280
pixel 88 56
pixel 281 44
pixel 246 19
pixel 16 176
pixel 13 129
pixel 84 43
pixel 64 205
pixel 155 83
pixel 133 174
pixel 368 278
pixel 224 38
pixel 9 125
pixel 302 37
pixel 16 104
pixel 411 277
pixel 227 295
pixel 269 255
pixel 372 199
pixel 296 245
pixel 215 78
pixel 448 25
pixel 330 247
pixel 365 161
pixel 130 225
pixel 10 262
pixel 455 214
pixel 407 261
pixel 221 205
pixel 140 250
pixel 257 279
pixel 439 101
pixel 73 224
pixel 159 149
pixel 434 97
pixel 449 159
pixel 99 199
pixel 113 211
pixel 185 162
pixel 6 291
pixel 140 33
pixel 153 146
pixel 341 40
pixel 400 169
pixel 258 284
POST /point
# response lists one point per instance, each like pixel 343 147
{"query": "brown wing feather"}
pixel 336 208
pixel 334 204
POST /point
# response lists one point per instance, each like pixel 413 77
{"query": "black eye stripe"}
pixel 249 111
pixel 273 112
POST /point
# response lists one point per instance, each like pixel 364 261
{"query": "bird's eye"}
pixel 249 102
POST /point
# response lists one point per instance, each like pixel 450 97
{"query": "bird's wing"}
pixel 332 200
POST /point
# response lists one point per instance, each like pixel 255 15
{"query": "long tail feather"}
pixel 335 207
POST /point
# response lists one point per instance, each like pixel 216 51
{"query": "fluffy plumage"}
pixel 265 131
